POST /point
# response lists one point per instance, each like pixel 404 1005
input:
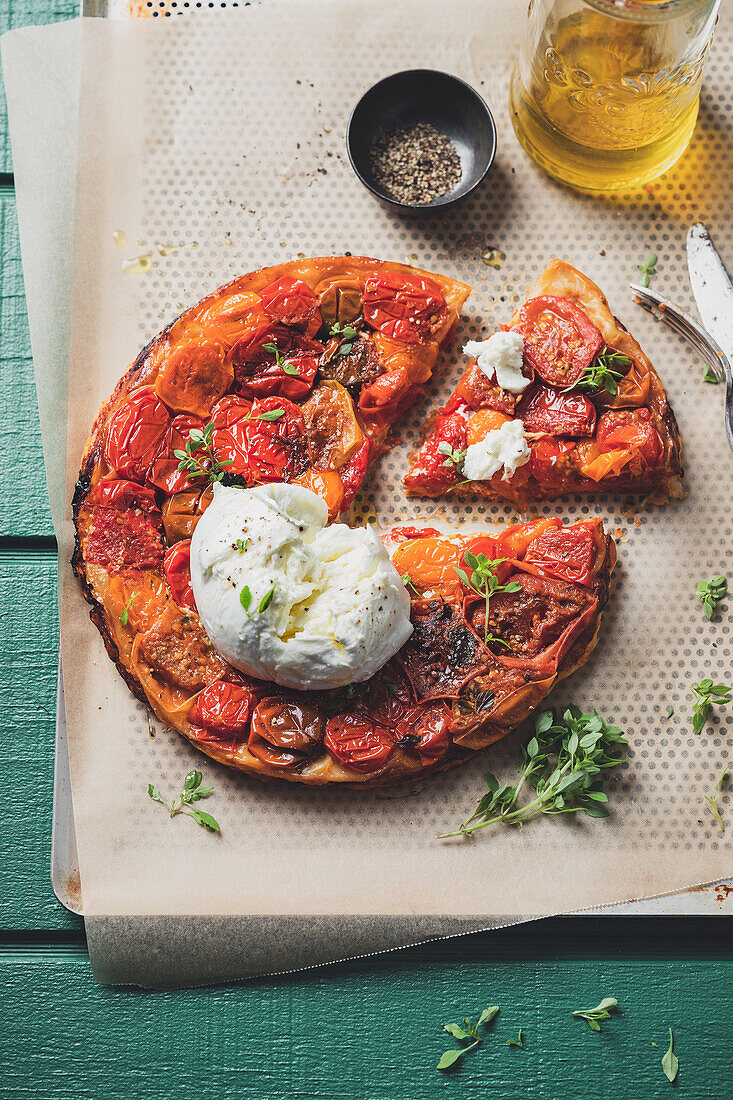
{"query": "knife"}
pixel 711 286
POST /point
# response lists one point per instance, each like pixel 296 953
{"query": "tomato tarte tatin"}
pixel 591 412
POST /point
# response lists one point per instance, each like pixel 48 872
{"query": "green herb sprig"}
pixel 709 375
pixel 670 1062
pixel 192 792
pixel 407 581
pixel 452 457
pixel 485 583
pixel 711 800
pixel 280 360
pixel 593 1016
pixel 347 334
pixel 711 592
pixel 602 373
pixel 468 1033
pixel 707 694
pixel 242 544
pixel 647 269
pixel 562 762
pixel 125 613
pixel 199 459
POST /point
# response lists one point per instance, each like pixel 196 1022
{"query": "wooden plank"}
pixel 28 648
pixel 22 13
pixel 24 509
pixel 372 1029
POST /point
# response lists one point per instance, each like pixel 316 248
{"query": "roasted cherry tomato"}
pixel 426 729
pixel 551 461
pixel 222 710
pixel 285 731
pixel 275 360
pixel 352 473
pixel 480 392
pixel 432 468
pixel 357 743
pixel 414 533
pixel 630 430
pixel 388 697
pixel 135 433
pixel 554 413
pixel 334 433
pixel 177 569
pixel 182 511
pixel 384 395
pixel 275 441
pixel 164 473
pixel 560 342
pixel 327 485
pixel 289 301
pixel 514 540
pixel 112 493
pixel 430 563
pixel 404 307
pixel 230 417
pixel 123 540
pixel 565 552
pixel 483 422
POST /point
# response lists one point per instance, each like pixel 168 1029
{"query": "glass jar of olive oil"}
pixel 605 93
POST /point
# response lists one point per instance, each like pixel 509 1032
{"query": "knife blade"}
pixel 711 286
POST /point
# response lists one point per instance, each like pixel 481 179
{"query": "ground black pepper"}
pixel 415 165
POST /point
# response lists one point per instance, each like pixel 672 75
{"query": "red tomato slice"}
pixel 277 450
pixel 356 743
pixel 222 709
pixel 514 540
pixel 164 473
pixel 551 463
pixel 177 569
pixel 414 533
pixel 545 410
pixel 289 301
pixel 568 553
pixel 123 540
pixel 257 372
pixel 630 430
pixel 352 473
pixel 407 308
pixel 429 469
pixel 135 433
pixel 112 493
pixel 560 342
pixel 426 728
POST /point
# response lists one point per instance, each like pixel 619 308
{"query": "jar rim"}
pixel 650 10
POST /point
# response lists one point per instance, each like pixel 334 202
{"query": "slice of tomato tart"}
pixel 497 620
pixel 562 400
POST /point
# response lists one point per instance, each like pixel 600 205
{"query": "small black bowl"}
pixel 424 95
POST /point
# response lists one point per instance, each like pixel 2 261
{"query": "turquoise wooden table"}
pixel 368 1029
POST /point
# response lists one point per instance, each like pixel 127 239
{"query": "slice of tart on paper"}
pixel 562 400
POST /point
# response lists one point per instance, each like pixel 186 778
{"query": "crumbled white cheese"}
pixel 503 447
pixel 500 357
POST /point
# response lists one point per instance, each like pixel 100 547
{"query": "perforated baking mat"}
pixel 227 130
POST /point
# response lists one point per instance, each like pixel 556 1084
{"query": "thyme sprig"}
pixel 192 792
pixel 593 1016
pixel 485 583
pixel 280 359
pixel 452 457
pixel 347 334
pixel 562 762
pixel 199 459
pixel 468 1032
pixel 602 373
pixel 707 695
pixel 125 613
pixel 711 800
pixel 711 592
pixel 648 268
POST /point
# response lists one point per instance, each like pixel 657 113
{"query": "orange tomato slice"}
pixel 430 563
pixel 483 422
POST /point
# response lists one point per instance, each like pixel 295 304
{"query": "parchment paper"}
pixel 227 130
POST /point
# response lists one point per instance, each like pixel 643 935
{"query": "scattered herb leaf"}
pixel 273 350
pixel 469 1032
pixel 562 762
pixel 407 581
pixel 242 544
pixel 245 598
pixel 711 800
pixel 192 792
pixel 452 458
pixel 670 712
pixel 670 1062
pixel 707 694
pixel 711 592
pixel 648 269
pixel 125 613
pixel 593 1016
pixel 266 600
pixel 518 1042
pixel 709 375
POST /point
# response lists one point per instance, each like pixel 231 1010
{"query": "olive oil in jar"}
pixel 605 101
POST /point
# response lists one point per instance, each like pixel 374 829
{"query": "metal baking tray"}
pixel 713 899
